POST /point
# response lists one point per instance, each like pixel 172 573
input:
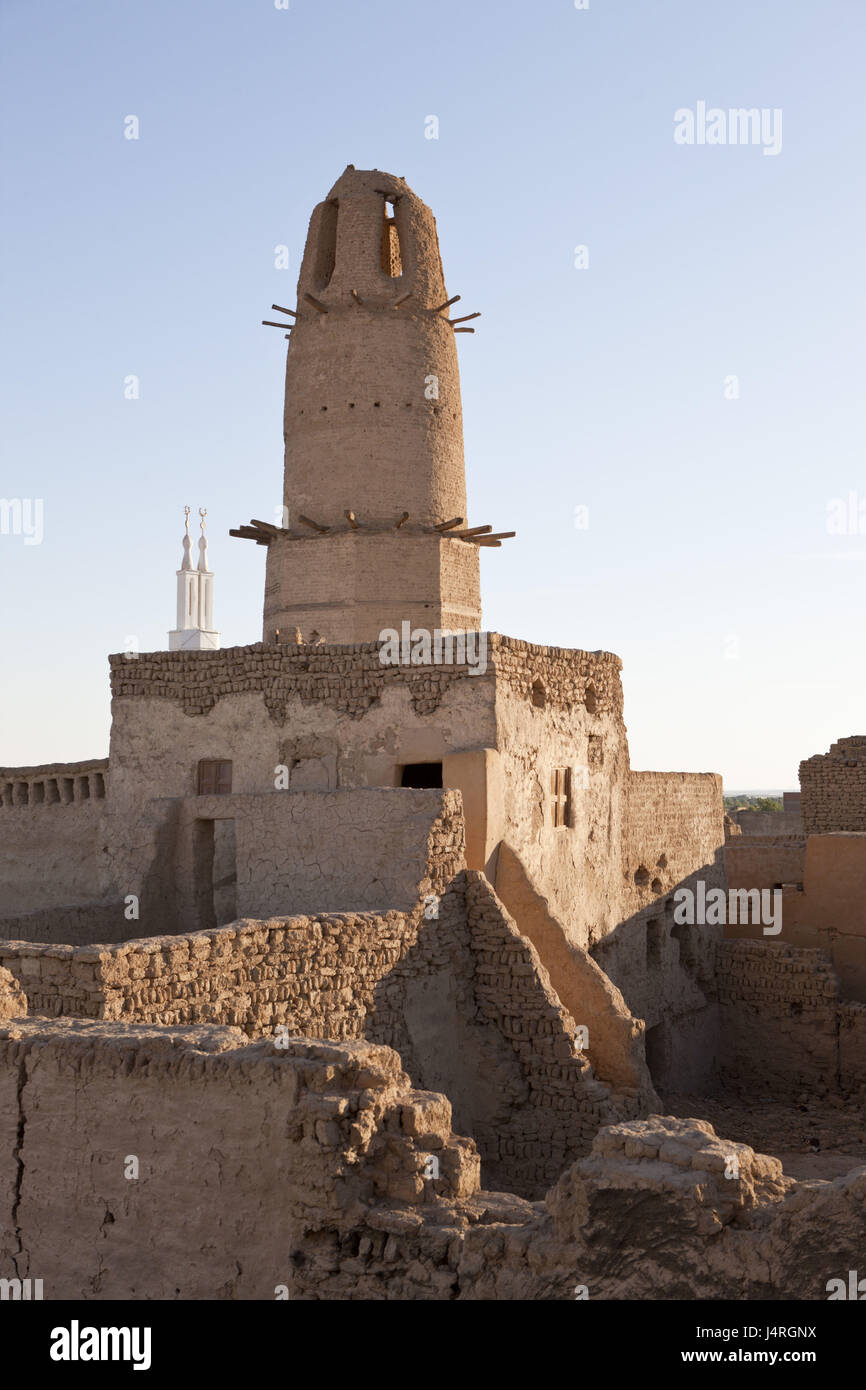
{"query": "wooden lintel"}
pixel 464 330
pixel 399 523
pixel 447 304
pixel 402 299
pixel 473 531
pixel 316 303
pixel 270 323
pixel 352 520
pixel 498 536
pixel 485 540
pixel 448 525
pixel 466 317
pixel 314 524
pixel 280 310
pixel 266 526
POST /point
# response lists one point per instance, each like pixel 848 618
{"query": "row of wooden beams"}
pixel 248 533
pixel 262 532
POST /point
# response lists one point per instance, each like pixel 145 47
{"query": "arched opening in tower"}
pixel 326 246
pixel 392 263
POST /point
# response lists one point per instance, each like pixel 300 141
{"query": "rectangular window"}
pixel 561 796
pixel 214 777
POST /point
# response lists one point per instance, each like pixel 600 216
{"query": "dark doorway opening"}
pixel 421 775
pixel 656 1043
pixel 215 866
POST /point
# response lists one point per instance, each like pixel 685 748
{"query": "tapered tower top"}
pixel 374 491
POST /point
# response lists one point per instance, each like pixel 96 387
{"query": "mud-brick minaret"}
pixel 373 430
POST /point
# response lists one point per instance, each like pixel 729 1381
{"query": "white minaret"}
pixel 194 631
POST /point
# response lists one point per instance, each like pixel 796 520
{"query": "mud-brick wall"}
pixel 675 828
pixel 244 1152
pixel 462 996
pixel 833 788
pixel 758 861
pixel 471 1011
pixel 313 975
pixel 779 1018
pixel 50 837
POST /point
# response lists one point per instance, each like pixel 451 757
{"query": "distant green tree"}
pixel 753 803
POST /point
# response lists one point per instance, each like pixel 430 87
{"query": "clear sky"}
pixel 706 565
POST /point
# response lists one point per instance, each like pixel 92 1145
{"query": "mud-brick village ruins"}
pixel 367 932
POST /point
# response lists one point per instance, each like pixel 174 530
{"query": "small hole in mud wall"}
pixel 641 877
pixel 538 694
pixel 656 885
pixel 421 775
pixel 590 699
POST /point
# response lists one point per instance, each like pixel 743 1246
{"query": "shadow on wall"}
pixel 666 972
pixel 472 1012
pixel 615 1044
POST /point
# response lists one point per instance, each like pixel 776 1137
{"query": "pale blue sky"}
pixel 707 565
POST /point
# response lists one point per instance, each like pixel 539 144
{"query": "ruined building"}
pixel 413 911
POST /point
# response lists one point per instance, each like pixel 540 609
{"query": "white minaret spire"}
pixel 194 631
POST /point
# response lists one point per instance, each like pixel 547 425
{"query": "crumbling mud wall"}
pixel 193 1165
pixel 453 1007
pixel 461 995
pixel 197 1165
pixel 785 1029
pixel 833 788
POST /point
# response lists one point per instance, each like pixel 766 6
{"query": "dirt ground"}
pixel 814 1137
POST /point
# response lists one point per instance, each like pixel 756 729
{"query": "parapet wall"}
pixel 53 784
pixel 349 678
pixel 50 836
pixel 833 788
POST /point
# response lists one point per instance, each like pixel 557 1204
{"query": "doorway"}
pixel 215 872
